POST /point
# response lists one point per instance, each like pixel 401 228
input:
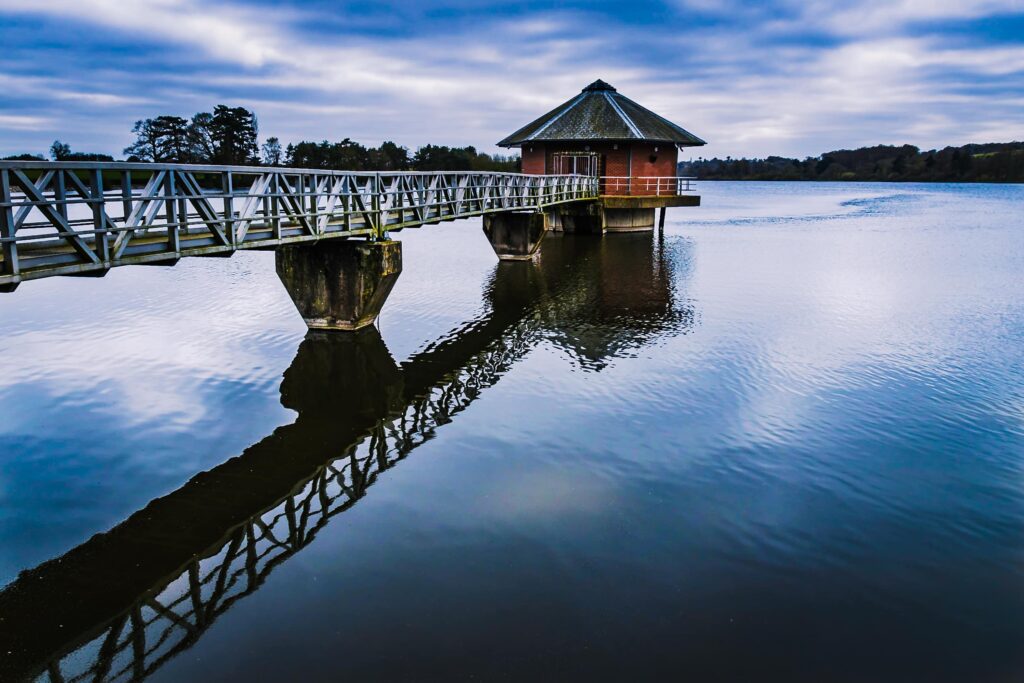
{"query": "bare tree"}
pixel 272 152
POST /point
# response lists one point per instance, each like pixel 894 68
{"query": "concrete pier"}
pixel 628 220
pixel 339 284
pixel 614 213
pixel 515 236
pixel 576 217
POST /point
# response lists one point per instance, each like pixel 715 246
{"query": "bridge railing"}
pixel 65 218
pixel 648 185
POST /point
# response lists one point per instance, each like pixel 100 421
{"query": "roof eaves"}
pixel 628 121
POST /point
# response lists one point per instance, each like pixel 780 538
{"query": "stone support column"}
pixel 628 220
pixel 339 284
pixel 515 236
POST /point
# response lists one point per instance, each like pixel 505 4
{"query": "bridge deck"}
pixel 84 218
pixel 612 201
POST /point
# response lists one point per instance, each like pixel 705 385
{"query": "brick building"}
pixel 603 133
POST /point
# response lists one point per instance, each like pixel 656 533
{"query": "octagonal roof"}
pixel 600 112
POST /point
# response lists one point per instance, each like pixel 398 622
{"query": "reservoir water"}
pixel 782 440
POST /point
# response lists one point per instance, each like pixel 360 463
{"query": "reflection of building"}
pixel 120 605
pixel 620 295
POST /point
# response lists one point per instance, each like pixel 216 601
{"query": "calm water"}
pixel 784 440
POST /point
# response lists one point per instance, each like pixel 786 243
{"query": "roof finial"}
pixel 598 86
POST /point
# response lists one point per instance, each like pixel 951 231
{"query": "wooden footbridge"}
pixel 331 229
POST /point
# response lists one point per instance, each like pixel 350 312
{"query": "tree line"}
pixel 1001 162
pixel 230 136
pixel 352 156
pixel 60 152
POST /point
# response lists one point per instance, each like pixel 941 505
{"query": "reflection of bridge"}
pixel 124 602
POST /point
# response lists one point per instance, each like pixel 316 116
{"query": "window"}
pixel 576 163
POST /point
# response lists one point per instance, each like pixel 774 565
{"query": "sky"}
pixel 787 77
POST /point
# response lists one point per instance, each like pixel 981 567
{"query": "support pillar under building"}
pixel 628 220
pixel 515 236
pixel 339 284
pixel 584 217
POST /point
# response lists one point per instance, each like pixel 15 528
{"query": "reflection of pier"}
pixel 623 300
pixel 120 605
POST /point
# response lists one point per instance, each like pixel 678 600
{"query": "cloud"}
pixel 15 122
pixel 787 77
pixel 870 17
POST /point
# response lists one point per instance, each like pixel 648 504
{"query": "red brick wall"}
pixel 663 166
pixel 616 161
pixel 533 159
pixel 537 159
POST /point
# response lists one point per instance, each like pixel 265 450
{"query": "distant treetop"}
pixel 1001 162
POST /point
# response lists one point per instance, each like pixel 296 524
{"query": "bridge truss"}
pixel 83 218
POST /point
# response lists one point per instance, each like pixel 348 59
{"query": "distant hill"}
pixel 997 162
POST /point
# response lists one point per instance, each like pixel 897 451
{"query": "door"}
pixel 576 163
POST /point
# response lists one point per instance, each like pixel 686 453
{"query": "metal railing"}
pixel 65 218
pixel 648 185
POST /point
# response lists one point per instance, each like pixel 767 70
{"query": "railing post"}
pixel 7 229
pixel 183 206
pixel 314 203
pixel 344 190
pixel 173 237
pixel 126 195
pixel 138 632
pixel 227 189
pixel 275 205
pixel 60 195
pixel 376 203
pixel 99 216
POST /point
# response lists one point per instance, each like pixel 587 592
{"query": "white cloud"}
pixel 16 122
pixel 868 17
pixel 742 87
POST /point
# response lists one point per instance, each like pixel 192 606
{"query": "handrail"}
pixel 62 218
pixel 648 185
pixel 247 169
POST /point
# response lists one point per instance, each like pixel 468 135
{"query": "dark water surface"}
pixel 783 441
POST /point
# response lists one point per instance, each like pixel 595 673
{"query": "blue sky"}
pixel 790 77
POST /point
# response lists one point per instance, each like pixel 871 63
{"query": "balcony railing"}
pixel 659 186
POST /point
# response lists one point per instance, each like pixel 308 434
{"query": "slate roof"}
pixel 599 112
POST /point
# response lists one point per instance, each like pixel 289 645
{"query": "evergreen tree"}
pixel 146 145
pixel 234 132
pixel 200 136
pixel 164 139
